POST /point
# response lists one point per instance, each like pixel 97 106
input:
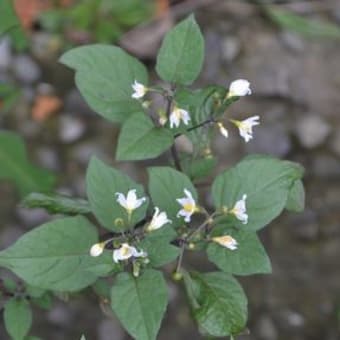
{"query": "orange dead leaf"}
pixel 29 10
pixel 162 7
pixel 45 106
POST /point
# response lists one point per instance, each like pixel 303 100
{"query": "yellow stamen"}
pixel 189 207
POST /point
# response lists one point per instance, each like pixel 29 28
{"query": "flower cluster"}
pixel 130 202
pixel 238 88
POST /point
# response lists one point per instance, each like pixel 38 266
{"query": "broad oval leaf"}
pixel 165 186
pixel 57 204
pixel 102 184
pixel 249 258
pixel 17 318
pixel 158 247
pixel 16 167
pixel 218 303
pixel 141 139
pixel 296 197
pixel 55 255
pixel 104 76
pixel 181 55
pixel 140 303
pixel 265 180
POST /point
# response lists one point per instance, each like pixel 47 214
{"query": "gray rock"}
pixel 292 41
pixel 32 217
pixel 5 53
pixel 292 319
pixel 60 315
pixel 326 166
pixel 231 48
pixel 48 158
pixel 83 152
pixel 266 329
pixel 312 130
pixel 75 103
pixel 335 142
pixel 304 226
pixel 9 235
pixel 272 140
pixel 70 129
pixel 110 329
pixel 26 69
pixel 212 66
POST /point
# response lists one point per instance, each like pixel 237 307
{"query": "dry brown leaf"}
pixel 162 7
pixel 29 10
pixel 45 106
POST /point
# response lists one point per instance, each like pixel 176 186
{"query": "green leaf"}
pixel 249 258
pixel 141 139
pixel 57 204
pixel 17 318
pixel 103 182
pixel 218 303
pixel 45 301
pixel 181 55
pixel 296 197
pixel 165 186
pixel 305 26
pixel 16 167
pixel 10 24
pixel 9 284
pixel 104 76
pixel 158 247
pixel 55 255
pixel 140 303
pixel 201 167
pixel 265 180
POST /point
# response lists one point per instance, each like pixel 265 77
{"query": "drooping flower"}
pixel 177 115
pixel 188 204
pixel 97 249
pixel 240 210
pixel 239 88
pixel 158 220
pixel 125 252
pixel 139 90
pixel 246 127
pixel 130 202
pixel 226 241
pixel 223 130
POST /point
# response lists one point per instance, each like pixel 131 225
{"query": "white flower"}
pixel 97 249
pixel 188 204
pixel 125 252
pixel 226 241
pixel 239 88
pixel 130 202
pixel 139 90
pixel 246 127
pixel 223 130
pixel 158 220
pixel 177 115
pixel 239 210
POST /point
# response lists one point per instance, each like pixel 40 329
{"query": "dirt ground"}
pixel 296 86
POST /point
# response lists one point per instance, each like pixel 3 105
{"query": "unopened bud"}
pixel 146 104
pixel 223 130
pixel 97 249
pixel 177 276
pixel 119 222
pixel 191 246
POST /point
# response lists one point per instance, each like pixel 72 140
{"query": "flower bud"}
pixel 97 249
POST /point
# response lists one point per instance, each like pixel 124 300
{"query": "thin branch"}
pixel 208 121
pixel 173 149
pixel 180 259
